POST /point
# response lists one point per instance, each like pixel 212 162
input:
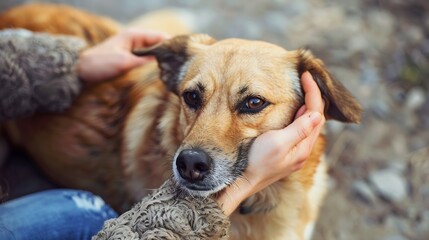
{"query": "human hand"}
pixel 276 154
pixel 113 56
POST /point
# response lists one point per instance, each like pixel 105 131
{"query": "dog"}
pixel 194 116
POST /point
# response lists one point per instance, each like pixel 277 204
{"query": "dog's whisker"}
pixel 150 189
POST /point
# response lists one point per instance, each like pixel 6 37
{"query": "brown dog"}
pixel 122 138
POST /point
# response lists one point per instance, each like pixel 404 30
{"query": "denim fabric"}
pixel 54 214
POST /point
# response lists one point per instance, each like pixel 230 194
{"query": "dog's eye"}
pixel 192 99
pixel 253 105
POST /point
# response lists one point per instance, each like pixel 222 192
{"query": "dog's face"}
pixel 231 91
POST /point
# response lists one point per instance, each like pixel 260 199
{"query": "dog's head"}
pixel 231 91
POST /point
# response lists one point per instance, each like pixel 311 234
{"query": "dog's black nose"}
pixel 193 164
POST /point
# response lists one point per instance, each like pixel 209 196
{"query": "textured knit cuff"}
pixel 37 72
pixel 167 214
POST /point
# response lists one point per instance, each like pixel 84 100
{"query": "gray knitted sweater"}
pixel 37 74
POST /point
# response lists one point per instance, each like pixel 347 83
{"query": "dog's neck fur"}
pixel 151 135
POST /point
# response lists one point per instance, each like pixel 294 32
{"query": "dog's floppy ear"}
pixel 173 54
pixel 339 102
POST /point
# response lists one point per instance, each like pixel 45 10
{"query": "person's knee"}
pixel 90 211
pixel 66 213
pixel 88 204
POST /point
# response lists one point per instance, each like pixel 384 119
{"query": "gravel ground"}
pixel 379 50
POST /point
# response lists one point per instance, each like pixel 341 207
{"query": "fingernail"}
pixel 315 117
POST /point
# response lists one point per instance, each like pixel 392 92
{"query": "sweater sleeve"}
pixel 37 72
pixel 169 214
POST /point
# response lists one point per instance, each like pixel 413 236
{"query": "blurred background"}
pixel 379 49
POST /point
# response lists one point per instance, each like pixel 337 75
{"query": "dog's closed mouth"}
pixel 200 189
pixel 196 187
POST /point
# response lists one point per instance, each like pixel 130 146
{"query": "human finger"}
pixel 302 148
pixel 300 112
pixel 144 38
pixel 280 145
pixel 138 61
pixel 313 97
pixel 297 131
pixel 303 127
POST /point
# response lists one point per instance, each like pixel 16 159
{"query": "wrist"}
pixel 232 196
pixel 81 64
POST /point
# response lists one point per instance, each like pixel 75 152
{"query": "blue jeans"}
pixel 54 214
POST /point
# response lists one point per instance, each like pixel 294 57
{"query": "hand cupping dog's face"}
pixel 232 91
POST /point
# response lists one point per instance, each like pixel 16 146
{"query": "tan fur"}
pixel 80 148
pixel 169 20
pixel 59 19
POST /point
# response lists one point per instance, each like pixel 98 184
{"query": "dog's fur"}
pixel 119 137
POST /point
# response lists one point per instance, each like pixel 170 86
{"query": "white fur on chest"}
pixel 316 195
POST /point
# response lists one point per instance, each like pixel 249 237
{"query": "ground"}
pixel 379 49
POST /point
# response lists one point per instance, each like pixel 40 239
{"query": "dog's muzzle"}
pixel 193 165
